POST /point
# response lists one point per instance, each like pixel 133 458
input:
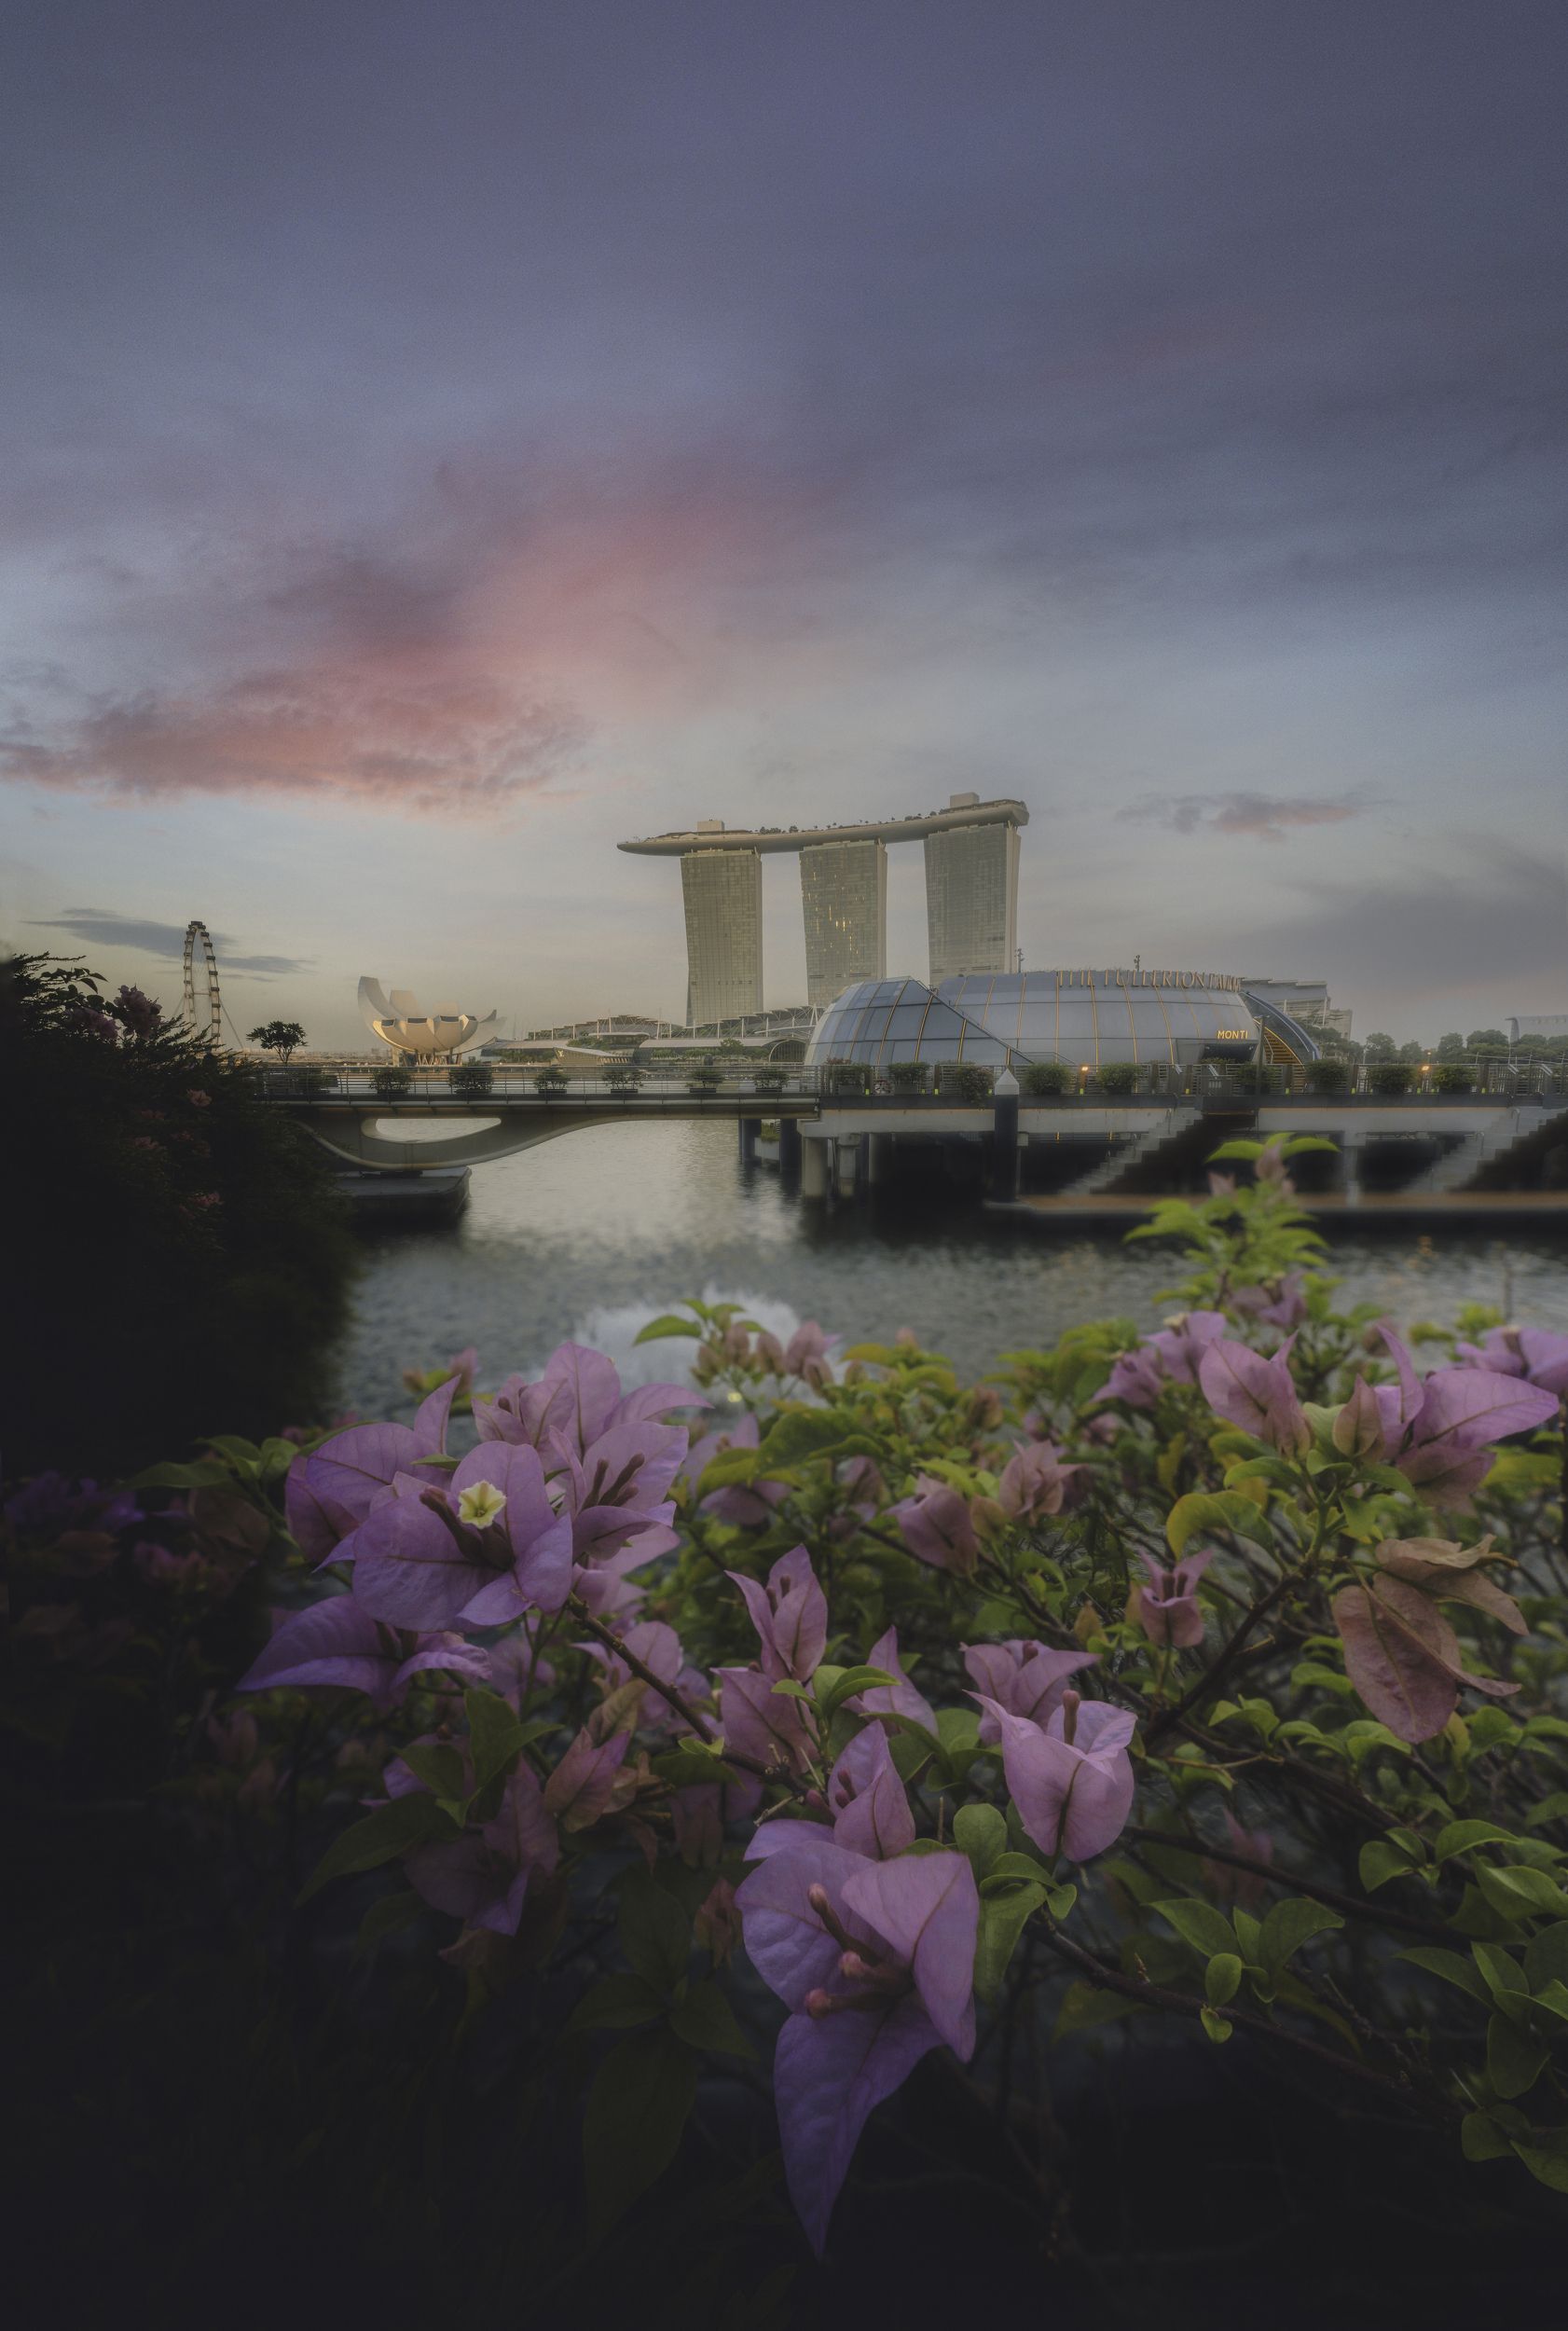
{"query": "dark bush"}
pixel 1119 1076
pixel 186 1252
pixel 1451 1076
pixel 908 1075
pixel 390 1082
pixel 964 1081
pixel 1328 1076
pixel 1390 1077
pixel 549 1080
pixel 1046 1080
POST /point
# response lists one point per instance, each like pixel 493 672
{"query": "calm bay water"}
pixel 588 1235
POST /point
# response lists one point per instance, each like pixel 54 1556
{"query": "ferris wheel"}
pixel 196 935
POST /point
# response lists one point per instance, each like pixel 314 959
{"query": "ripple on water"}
pixel 588 1235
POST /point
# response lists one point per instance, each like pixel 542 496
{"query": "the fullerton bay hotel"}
pixel 999 1015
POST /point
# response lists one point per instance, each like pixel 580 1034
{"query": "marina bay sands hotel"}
pixel 971 899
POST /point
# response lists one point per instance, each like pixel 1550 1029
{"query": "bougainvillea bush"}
pixel 661 1782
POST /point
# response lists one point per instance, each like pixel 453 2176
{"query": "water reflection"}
pixel 589 1233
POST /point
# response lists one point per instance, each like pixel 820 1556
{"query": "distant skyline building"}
pixel 722 891
pixel 971 899
pixel 843 903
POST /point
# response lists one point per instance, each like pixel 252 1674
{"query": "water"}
pixel 588 1235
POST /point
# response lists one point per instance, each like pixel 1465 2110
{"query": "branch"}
pixel 1148 1995
pixel 1328 1895
pixel 677 1700
pixel 1228 1655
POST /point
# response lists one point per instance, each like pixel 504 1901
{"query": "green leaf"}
pixel 204 1474
pixel 1460 1836
pixel 1520 1893
pixel 235 1450
pixel 1546 1956
pixel 667 1323
pixel 1003 1917
pixel 846 1683
pixel 655 1933
pixel 1380 1861
pixel 1481 2139
pixel 1018 1866
pixel 981 1832
pixel 617 2004
pixel 1503 1979
pixel 438 1765
pixel 380 1837
pixel 1290 1924
pixel 1514 2061
pixel 797 1435
pixel 704 2018
pixel 495 1735
pixel 1223 1977
pixel 1200 1925
pixel 1223 1510
pixel 1551 2168
pixel 636 2111
pixel 732 1468
pixel 688 1768
pixel 1451 1967
pixel 1084 2004
pixel 1215 2025
pixel 389 1916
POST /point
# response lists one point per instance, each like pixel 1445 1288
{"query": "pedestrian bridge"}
pixel 361 1129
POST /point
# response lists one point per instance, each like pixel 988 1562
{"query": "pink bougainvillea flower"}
pixel 1167 1609
pixel 1026 1677
pixel 329 1493
pixel 1452 1574
pixel 478 1552
pixel 335 1645
pixel 1034 1482
pixel 583 1785
pixel 1171 1356
pixel 875 1963
pixel 1535 1353
pixel 747 1506
pixel 805 1355
pixel 1257 1394
pixel 579 1398
pixel 937 1528
pixel 1282 1302
pixel 791 1617
pixel 867 1799
pixel 483 1878
pixel 1072 1783
pixel 760 1723
pixel 1438 1430
pixel 899 1696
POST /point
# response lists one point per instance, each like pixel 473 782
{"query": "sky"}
pixel 440 441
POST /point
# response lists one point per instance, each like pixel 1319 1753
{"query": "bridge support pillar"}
pixel 789 1145
pixel 848 1165
pixel 814 1168
pixel 879 1160
pixel 750 1133
pixel 1004 1136
pixel 1350 1175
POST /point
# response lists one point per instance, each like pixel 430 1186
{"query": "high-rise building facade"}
pixel 844 900
pixel 971 898
pixel 722 891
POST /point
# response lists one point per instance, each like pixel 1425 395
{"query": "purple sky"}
pixel 437 441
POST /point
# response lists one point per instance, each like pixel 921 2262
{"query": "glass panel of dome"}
pixel 887 991
pixel 906 1019
pixel 900 1051
pixel 941 1023
pixel 984 1050
pixel 874 1022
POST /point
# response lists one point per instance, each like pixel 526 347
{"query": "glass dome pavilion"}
pixel 1082 1018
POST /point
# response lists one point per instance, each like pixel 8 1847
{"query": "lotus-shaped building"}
pixel 399 1022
